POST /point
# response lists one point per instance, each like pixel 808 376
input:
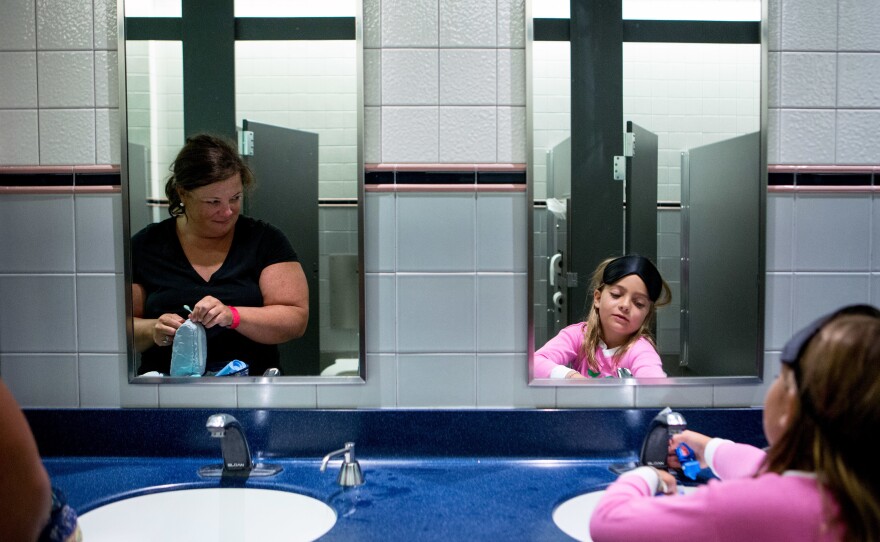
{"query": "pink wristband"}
pixel 236 319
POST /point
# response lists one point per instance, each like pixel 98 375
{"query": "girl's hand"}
pixel 165 328
pixel 697 443
pixel 668 484
pixel 574 374
pixel 210 312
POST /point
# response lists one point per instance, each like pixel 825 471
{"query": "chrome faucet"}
pixel 655 447
pixel 350 474
pixel 235 449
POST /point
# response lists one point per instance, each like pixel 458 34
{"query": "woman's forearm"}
pixel 143 333
pixel 273 324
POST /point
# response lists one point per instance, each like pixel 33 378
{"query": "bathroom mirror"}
pixel 647 127
pixel 284 80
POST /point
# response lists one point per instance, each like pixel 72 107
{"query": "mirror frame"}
pixel 129 368
pixel 758 377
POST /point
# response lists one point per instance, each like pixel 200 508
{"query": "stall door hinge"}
pixel 629 144
pixel 246 143
pixel 620 168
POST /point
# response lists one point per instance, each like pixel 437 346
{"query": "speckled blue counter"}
pixel 430 475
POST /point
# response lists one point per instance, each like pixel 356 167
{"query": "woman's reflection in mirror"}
pixel 239 275
pixel 617 331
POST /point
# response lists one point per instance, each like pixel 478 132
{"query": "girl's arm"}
pixel 644 361
pixel 552 359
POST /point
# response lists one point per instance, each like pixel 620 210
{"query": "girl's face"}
pixel 779 405
pixel 212 210
pixel 623 307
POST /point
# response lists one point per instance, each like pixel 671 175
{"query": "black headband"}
pixel 794 348
pixel 635 265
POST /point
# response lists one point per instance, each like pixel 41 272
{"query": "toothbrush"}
pixel 187 308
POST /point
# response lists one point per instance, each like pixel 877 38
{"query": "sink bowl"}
pixel 573 516
pixel 210 514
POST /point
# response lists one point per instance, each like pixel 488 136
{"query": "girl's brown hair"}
pixel 593 327
pixel 838 386
pixel 204 159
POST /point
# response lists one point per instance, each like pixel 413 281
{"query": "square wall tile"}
pixel 778 310
pixel 832 232
pixel 379 390
pixel 858 140
pixel 502 382
pixel 410 134
pixel 660 396
pixel 435 232
pixel 381 312
pixel 373 135
pixel 595 396
pixel 19 137
pixel 36 246
pixel 18 86
pixel 100 313
pixel 18 27
pixel 774 83
pixel 380 232
pixel 502 233
pixel 875 224
pixel 816 294
pixel 809 25
pixel 187 396
pixel 858 23
pixel 44 315
pixel 372 77
pixel 106 30
pixel 511 23
pixel 372 24
pixel 780 232
pixel 276 396
pixel 99 380
pixel 468 23
pixel 99 233
pixel 856 80
pixel 107 139
pixel 137 395
pixel 64 25
pixel 807 136
pixel 67 78
pixel 410 23
pixel 106 79
pixel 502 312
pixel 468 134
pixel 774 134
pixel 436 313
pixel 410 76
pixel 512 135
pixel 42 380
pixel 808 79
pixel 67 136
pixel 511 77
pixel 468 77
pixel 437 381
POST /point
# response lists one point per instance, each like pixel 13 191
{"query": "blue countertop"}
pixel 429 475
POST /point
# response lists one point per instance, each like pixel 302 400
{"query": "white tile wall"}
pixel 61 279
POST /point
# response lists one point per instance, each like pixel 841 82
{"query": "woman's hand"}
pixel 210 312
pixel 165 328
pixel 696 441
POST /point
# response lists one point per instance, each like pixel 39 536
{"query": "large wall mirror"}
pixel 283 80
pixel 647 121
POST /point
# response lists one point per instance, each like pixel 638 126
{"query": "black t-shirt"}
pixel 170 282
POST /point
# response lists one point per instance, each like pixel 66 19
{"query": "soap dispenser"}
pixel 655 447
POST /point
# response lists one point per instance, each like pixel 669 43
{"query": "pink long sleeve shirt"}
pixel 562 351
pixel 770 507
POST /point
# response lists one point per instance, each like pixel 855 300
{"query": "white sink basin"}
pixel 221 514
pixel 573 516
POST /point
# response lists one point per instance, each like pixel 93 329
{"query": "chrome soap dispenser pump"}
pixel 655 447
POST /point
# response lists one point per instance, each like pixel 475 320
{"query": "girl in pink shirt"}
pixel 616 334
pixel 819 479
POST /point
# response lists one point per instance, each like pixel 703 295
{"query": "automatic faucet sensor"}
pixel 655 447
